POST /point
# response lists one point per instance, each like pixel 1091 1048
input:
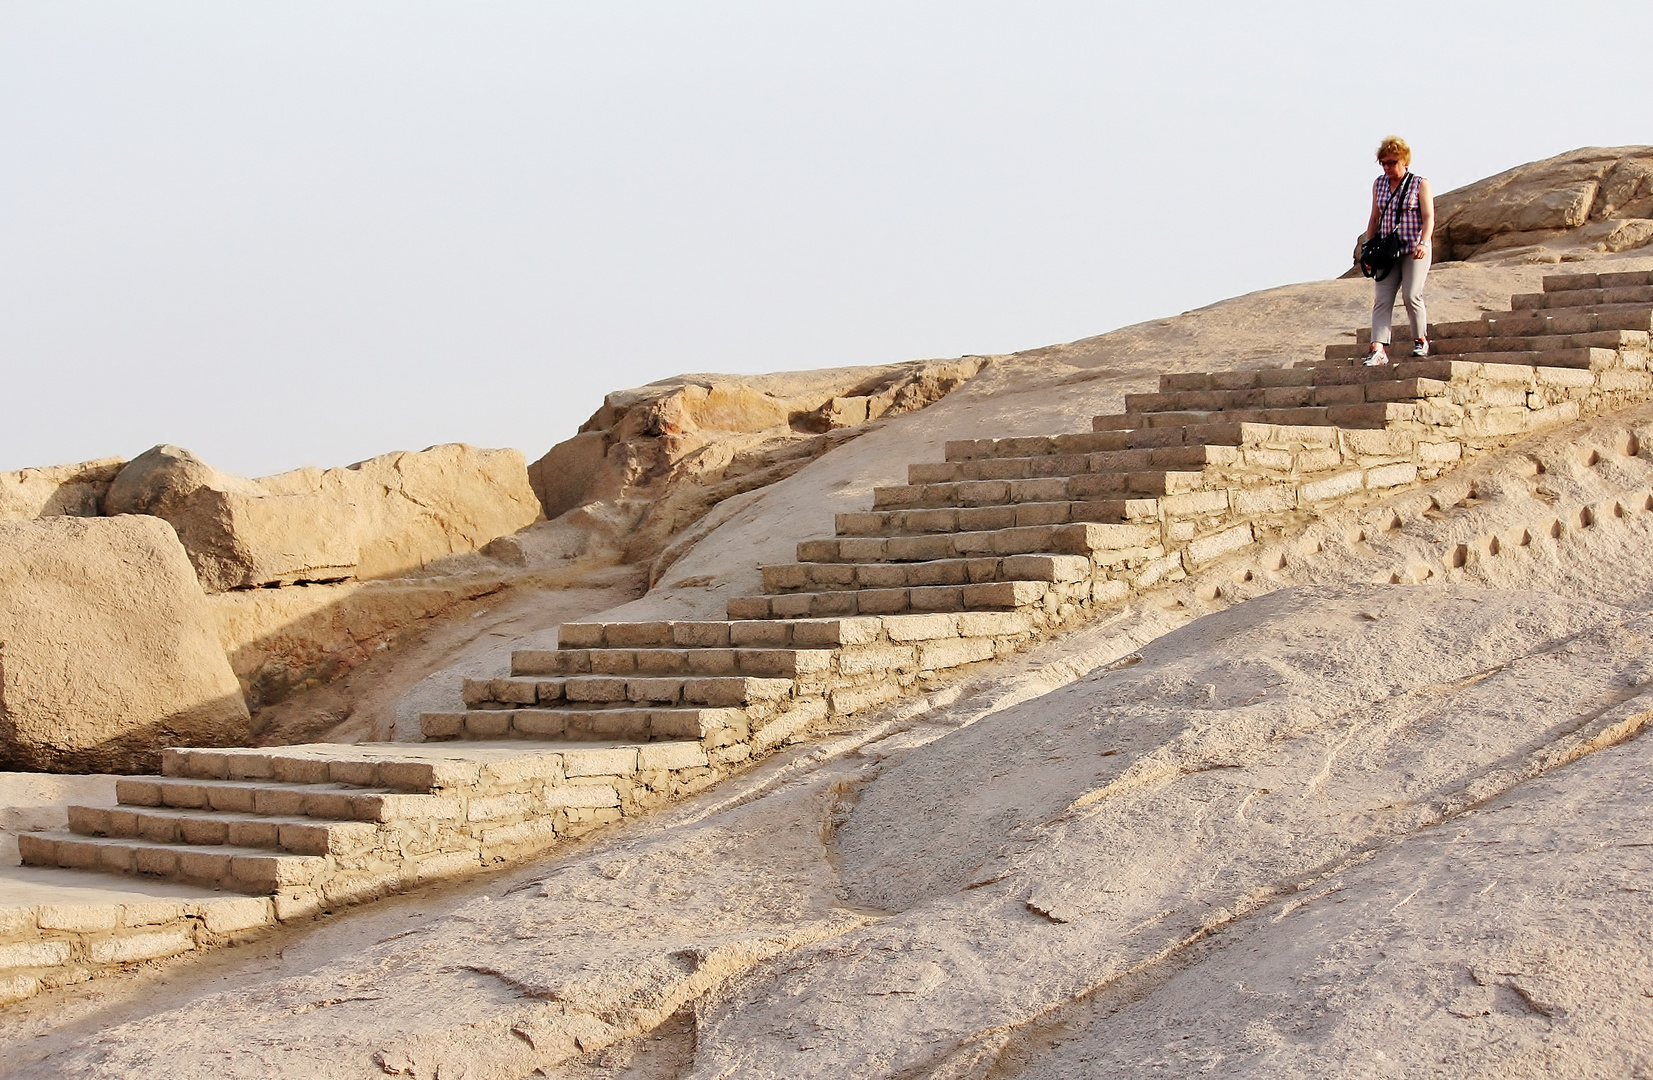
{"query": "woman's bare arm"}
pixel 1426 211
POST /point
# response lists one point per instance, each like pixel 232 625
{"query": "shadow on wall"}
pixel 108 649
pixel 220 721
pixel 284 641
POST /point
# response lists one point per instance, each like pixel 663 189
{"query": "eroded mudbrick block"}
pixel 234 916
pixel 1332 487
pixel 79 918
pixel 1208 548
pixel 34 954
pixel 1391 475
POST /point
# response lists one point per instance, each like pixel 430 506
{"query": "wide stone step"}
pixel 338 802
pixel 968 494
pixel 1601 339
pixel 759 663
pixel 782 633
pixel 1192 424
pixel 1314 373
pixel 717 691
pixel 1538 322
pixel 1120 437
pixel 1080 539
pixel 1593 359
pixel 1573 320
pixel 714 634
pixel 296 835
pixel 1577 298
pixel 1053 489
pixel 1480 334
pixel 619 723
pixel 941 519
pixel 822 577
pixel 934 512
pixel 223 866
pixel 1107 481
pixel 1619 279
pixel 1081 442
pixel 356 765
pixel 996 596
pixel 1329 393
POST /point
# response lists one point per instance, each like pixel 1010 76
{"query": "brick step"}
pixel 1542 335
pixel 1595 359
pixel 930 511
pixel 1005 596
pixel 1105 441
pixel 295 835
pixel 760 663
pixel 1470 338
pixel 1447 371
pixel 1574 282
pixel 1106 480
pixel 241 869
pixel 1575 298
pixel 1081 442
pixel 715 634
pixel 834 576
pixel 1321 395
pixel 780 633
pixel 626 723
pixel 617 690
pixel 1087 539
pixel 1544 326
pixel 356 766
pixel 338 802
pixel 1367 415
pixel 1075 487
pixel 1037 489
pixel 1527 362
pixel 1468 332
pixel 1473 344
pixel 1572 320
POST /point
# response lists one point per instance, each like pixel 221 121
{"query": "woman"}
pixel 1401 203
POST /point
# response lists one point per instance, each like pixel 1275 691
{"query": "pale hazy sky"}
pixel 295 233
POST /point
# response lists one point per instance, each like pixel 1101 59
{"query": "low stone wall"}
pixel 50 945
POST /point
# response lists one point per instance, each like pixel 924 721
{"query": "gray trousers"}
pixel 1406 279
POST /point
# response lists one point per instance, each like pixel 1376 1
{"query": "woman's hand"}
pixel 1422 250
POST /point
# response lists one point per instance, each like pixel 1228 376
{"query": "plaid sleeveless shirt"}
pixel 1403 215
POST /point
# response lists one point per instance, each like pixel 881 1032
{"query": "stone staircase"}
pixel 318 825
pixel 1005 542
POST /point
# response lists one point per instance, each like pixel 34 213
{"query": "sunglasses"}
pixel 1386 162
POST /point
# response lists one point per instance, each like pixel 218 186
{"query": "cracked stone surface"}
pixel 1319 790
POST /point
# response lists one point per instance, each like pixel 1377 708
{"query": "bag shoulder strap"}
pixel 1398 193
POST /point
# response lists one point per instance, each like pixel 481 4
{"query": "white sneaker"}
pixel 1420 347
pixel 1377 357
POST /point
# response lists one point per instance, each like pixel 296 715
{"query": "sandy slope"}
pixel 896 909
pixel 1317 823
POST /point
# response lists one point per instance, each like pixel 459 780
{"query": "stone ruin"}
pixel 1002 544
